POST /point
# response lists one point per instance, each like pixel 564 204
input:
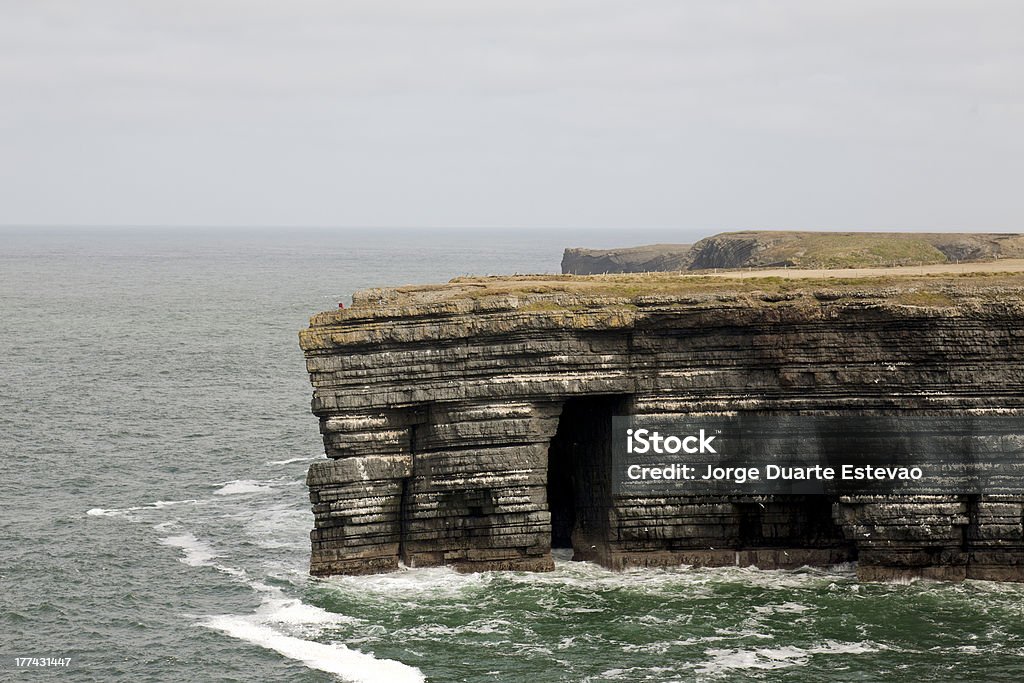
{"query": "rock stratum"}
pixel 790 249
pixel 467 424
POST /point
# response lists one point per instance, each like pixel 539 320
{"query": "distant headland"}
pixel 794 249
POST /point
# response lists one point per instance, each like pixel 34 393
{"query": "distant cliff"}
pixel 467 424
pixel 651 258
pixel 760 249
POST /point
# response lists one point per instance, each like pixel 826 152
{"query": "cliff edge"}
pixel 466 424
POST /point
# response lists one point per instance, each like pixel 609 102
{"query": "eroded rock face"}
pixel 469 431
pixel 650 258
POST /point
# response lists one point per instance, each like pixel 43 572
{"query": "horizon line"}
pixel 321 226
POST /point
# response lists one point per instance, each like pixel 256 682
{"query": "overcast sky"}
pixel 536 113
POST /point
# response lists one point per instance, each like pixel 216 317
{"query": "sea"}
pixel 154 437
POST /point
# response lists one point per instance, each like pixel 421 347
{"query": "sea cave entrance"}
pixel 579 474
pixel 770 531
pixel 803 526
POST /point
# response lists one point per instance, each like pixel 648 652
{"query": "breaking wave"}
pixel 241 486
pixel 333 658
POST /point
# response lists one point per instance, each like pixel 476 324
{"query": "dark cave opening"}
pixel 789 521
pixel 579 494
pixel 579 473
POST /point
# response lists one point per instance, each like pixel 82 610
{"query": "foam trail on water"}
pixel 196 553
pixel 289 461
pixel 232 488
pixel 117 512
pixel 104 512
pixel 277 612
pixel 350 665
pixel 778 657
pixel 294 612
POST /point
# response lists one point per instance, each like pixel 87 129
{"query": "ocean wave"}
pixel 663 646
pixel 433 582
pixel 285 624
pixel 295 612
pixel 335 658
pixel 486 626
pixel 241 486
pixel 289 461
pixel 444 582
pixel 196 553
pixel 156 505
pixel 783 608
pixel 635 673
pixel 768 658
pixel 280 526
pixel 699 581
pixel 104 512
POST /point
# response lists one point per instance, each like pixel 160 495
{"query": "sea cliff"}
pixel 466 424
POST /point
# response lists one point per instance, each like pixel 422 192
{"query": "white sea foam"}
pixel 196 553
pixel 635 673
pixel 784 608
pixel 433 582
pixel 280 526
pixel 768 658
pixel 473 628
pixel 901 580
pixel 436 582
pixel 232 488
pixel 350 665
pixel 118 512
pixel 805 577
pixel 289 461
pixel 261 587
pixel 294 612
pixel 663 646
pixel 232 571
pixel 103 512
pixel 277 614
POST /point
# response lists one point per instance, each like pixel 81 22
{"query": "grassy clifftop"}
pixel 791 249
pixel 849 249
pixel 929 286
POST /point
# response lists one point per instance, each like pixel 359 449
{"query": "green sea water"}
pixel 155 432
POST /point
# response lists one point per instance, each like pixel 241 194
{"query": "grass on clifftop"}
pixel 838 250
pixel 918 288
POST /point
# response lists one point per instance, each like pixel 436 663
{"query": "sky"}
pixel 693 115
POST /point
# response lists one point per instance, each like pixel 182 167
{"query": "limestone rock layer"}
pixel 471 430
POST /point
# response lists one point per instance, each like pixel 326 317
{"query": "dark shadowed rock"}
pixel 650 258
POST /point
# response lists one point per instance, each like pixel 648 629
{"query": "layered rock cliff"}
pixel 792 249
pixel 652 258
pixel 467 424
